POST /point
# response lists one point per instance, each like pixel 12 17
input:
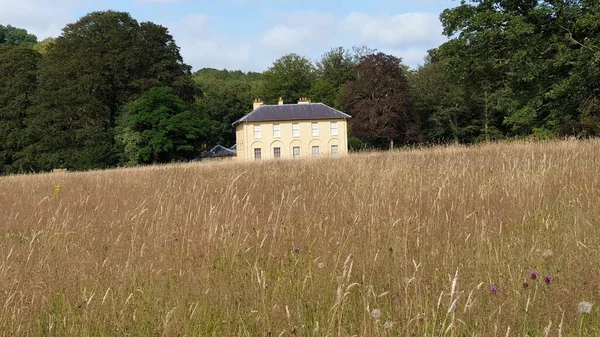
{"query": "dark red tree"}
pixel 379 102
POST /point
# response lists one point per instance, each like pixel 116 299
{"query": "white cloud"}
pixel 299 32
pixel 201 47
pixel 394 31
pixel 406 35
pixel 39 17
pixel 205 43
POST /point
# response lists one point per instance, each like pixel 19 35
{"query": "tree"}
pixel 43 46
pixel 10 35
pixel 438 102
pixel 291 77
pixel 158 127
pixel 379 102
pixel 91 71
pixel 333 71
pixel 226 97
pixel 530 64
pixel 18 82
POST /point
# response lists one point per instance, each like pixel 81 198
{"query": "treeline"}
pixel 113 91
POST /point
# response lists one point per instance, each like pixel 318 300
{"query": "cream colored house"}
pixel 291 131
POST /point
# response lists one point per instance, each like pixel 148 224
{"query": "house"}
pixel 218 151
pixel 291 130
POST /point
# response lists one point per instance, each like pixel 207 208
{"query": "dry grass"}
pixel 417 237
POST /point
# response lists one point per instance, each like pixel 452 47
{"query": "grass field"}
pixel 431 242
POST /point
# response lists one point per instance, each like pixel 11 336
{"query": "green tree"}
pixel 18 82
pixel 530 64
pixel 98 64
pixel 43 46
pixel 333 71
pixel 158 127
pixel 291 77
pixel 16 36
pixel 379 101
pixel 226 97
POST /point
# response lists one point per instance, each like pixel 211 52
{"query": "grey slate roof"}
pixel 218 151
pixel 288 112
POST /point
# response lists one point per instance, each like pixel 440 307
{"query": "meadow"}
pixel 489 240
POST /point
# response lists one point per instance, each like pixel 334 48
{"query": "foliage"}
pixel 533 65
pixel 18 82
pixel 226 97
pixel 99 64
pixel 158 127
pixel 291 77
pixel 43 46
pixel 333 71
pixel 379 102
pixel 10 35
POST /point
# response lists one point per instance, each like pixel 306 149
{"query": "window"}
pixel 257 153
pixel 335 149
pixel 315 151
pixel 257 131
pixel 276 131
pixel 296 151
pixel 334 129
pixel 295 130
pixel 277 152
pixel 315 129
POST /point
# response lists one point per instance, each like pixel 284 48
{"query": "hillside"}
pixel 414 242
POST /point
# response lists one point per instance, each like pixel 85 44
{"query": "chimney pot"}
pixel 303 100
pixel 280 100
pixel 257 103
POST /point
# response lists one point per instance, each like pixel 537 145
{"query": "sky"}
pixel 250 34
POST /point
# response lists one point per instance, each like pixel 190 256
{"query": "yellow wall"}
pixel 246 143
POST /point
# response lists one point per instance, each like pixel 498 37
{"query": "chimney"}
pixel 280 100
pixel 303 100
pixel 258 103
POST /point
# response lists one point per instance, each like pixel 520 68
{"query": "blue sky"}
pixel 251 34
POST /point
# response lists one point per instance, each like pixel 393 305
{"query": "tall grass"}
pixel 383 244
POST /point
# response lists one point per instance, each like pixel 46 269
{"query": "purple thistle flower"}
pixel 534 274
pixel 297 249
pixel 493 288
pixel 548 279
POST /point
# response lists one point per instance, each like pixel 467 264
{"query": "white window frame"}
pixel 295 130
pixel 257 132
pixel 276 152
pixel 316 151
pixel 337 149
pixel 276 131
pixel 257 153
pixel 314 126
pixel 333 127
pixel 295 153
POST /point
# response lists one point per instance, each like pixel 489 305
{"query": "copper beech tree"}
pixel 379 102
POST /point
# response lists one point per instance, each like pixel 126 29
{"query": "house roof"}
pixel 288 112
pixel 218 151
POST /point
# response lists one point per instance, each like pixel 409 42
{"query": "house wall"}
pixel 246 142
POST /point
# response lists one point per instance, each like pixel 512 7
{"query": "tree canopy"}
pixel 531 65
pixel 291 77
pixel 10 35
pixel 379 101
pixel 18 84
pixel 158 127
pixel 100 63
